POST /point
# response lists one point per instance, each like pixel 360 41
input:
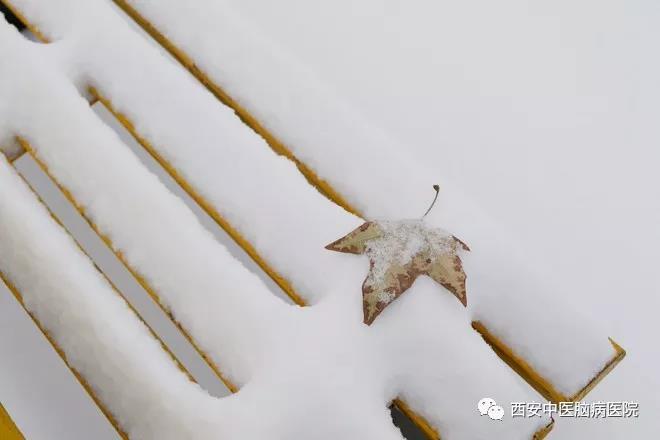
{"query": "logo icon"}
pixel 489 407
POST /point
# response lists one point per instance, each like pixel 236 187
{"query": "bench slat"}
pixel 8 429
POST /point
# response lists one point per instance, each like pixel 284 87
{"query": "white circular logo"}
pixel 496 412
pixel 484 404
pixel 489 407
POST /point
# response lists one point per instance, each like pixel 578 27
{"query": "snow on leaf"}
pixel 400 251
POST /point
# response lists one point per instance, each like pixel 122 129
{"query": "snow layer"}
pixel 102 338
pixel 143 202
pixel 314 372
pixel 376 175
pixel 402 240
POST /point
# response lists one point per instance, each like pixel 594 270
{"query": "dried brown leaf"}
pixel 399 252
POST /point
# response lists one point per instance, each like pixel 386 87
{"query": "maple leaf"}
pixel 400 251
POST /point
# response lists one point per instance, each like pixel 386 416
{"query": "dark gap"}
pixel 409 430
pixel 11 18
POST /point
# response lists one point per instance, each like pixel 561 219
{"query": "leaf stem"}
pixel 437 190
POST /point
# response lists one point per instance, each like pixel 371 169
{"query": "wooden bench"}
pixel 191 167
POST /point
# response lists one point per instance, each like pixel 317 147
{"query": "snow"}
pixel 293 364
pixel 545 114
pixel 34 376
pixel 143 202
pixel 371 170
pixel 404 239
pixel 102 338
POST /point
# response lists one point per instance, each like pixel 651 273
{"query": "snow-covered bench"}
pixel 310 372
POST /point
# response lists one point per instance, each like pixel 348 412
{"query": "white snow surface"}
pixel 314 372
pixel 545 113
pixel 379 177
pixel 102 338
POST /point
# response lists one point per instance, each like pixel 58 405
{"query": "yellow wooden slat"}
pixel 324 187
pixel 538 382
pixel 60 352
pixel 8 429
